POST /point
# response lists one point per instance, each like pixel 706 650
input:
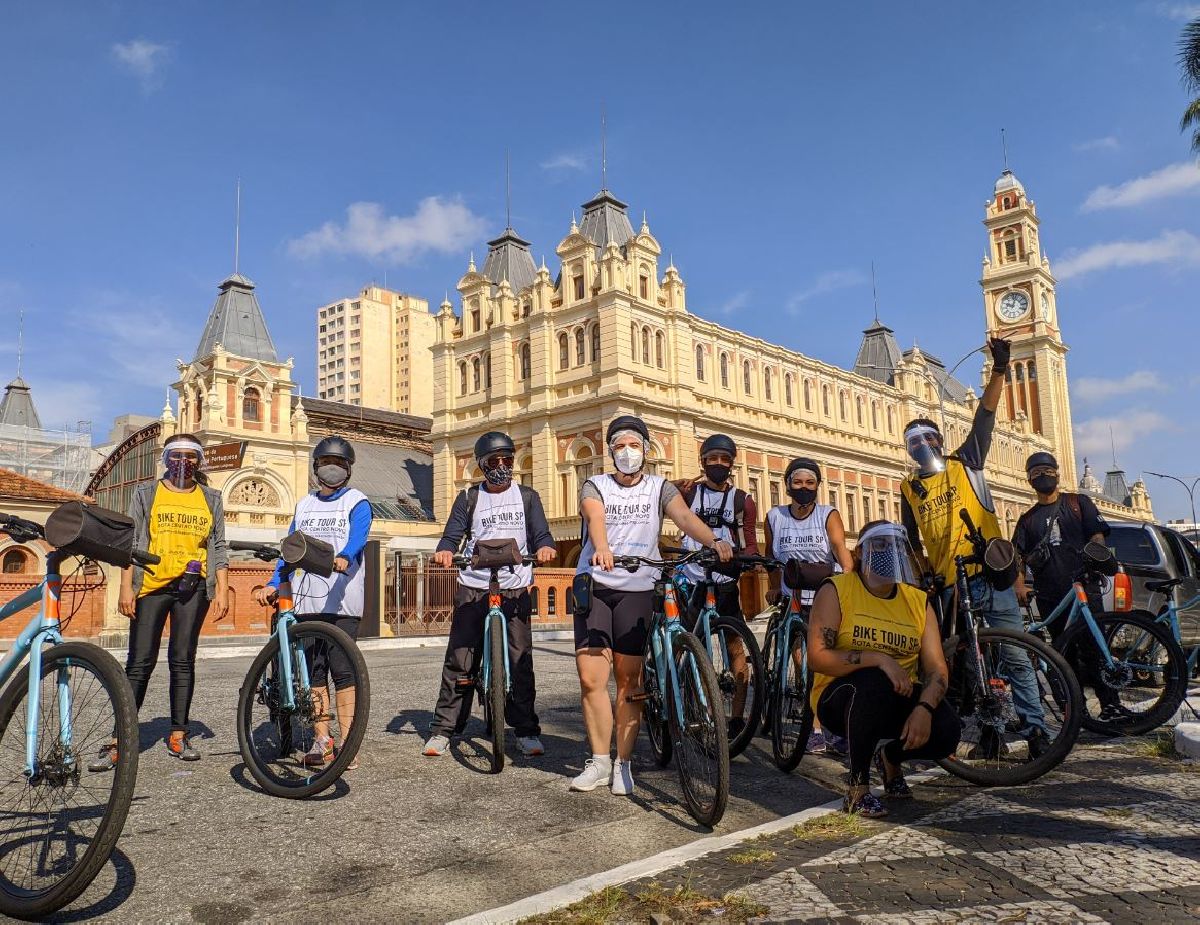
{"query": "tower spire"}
pixel 1004 147
pixel 237 226
pixel 507 188
pixel 20 340
pixel 874 294
pixel 603 148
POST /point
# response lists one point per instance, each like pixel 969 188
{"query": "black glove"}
pixel 1001 351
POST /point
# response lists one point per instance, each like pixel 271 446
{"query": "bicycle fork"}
pixel 495 612
pixel 285 619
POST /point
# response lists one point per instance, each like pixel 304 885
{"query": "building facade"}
pixel 59 457
pixel 552 358
pixel 374 351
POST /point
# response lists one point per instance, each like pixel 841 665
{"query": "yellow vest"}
pixel 943 533
pixel 891 625
pixel 180 522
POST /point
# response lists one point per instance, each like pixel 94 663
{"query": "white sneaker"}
pixel 622 778
pixel 531 746
pixel 597 772
pixel 436 746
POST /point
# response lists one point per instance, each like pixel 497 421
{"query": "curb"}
pixel 1187 739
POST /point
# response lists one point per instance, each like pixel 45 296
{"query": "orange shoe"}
pixel 179 745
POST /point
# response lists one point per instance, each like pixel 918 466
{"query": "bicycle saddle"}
pixel 1163 587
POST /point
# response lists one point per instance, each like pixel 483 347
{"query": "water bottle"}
pixel 190 580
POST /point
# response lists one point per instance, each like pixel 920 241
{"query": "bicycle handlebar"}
pixel 708 556
pixel 465 562
pixel 264 551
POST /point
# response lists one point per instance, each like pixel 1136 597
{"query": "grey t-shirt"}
pixel 668 494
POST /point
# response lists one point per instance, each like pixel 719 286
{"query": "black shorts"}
pixel 729 603
pixel 617 620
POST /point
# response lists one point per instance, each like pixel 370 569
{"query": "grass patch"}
pixel 831 825
pixel 753 856
pixel 1117 812
pixel 1160 745
pixel 615 905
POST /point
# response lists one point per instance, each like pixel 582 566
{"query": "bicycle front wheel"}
pixel 738 666
pixel 493 697
pixel 297 750
pixel 791 718
pixel 701 740
pixel 998 747
pixel 654 715
pixel 58 828
pixel 1143 687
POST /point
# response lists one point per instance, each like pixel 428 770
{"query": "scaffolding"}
pixel 59 457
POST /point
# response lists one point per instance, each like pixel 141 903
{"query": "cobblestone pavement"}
pixel 1110 837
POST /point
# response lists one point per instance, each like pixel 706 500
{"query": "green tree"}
pixel 1189 64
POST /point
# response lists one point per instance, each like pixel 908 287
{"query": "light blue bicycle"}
pixel 1169 615
pixel 59 822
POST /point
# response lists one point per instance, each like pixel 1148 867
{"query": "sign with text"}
pixel 224 456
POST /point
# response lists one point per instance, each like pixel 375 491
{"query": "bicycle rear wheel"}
pixel 1146 683
pixel 991 751
pixel 279 743
pixel 737 663
pixel 769 680
pixel 701 740
pixel 654 715
pixel 791 719
pixel 493 697
pixel 58 829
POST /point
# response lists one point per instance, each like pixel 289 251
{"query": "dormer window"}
pixel 643 286
pixel 474 316
pixel 250 405
pixel 578 288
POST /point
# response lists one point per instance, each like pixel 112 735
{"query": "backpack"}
pixel 472 493
pixel 738 526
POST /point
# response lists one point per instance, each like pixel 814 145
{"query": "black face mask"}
pixel 718 475
pixel 1044 484
pixel 803 496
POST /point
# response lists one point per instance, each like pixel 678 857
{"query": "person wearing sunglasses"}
pixel 496 508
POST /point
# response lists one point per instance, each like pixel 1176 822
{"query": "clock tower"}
pixel 1020 305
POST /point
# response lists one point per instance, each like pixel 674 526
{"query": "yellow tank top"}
pixel 943 533
pixel 180 523
pixel 891 625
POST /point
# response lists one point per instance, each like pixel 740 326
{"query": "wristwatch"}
pixel 922 703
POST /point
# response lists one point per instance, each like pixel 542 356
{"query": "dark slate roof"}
pixel 1115 487
pixel 320 408
pixel 509 258
pixel 17 406
pixel 397 480
pixel 878 354
pixel 948 386
pixel 236 322
pixel 605 221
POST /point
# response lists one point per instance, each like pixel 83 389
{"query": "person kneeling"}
pixel 879 675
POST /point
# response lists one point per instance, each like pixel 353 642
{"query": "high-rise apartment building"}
pixel 374 351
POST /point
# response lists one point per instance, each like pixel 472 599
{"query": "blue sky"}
pixel 776 151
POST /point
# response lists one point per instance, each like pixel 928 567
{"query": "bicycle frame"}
pixel 792 619
pixel 284 619
pixel 42 630
pixel 703 628
pixel 1075 604
pixel 664 628
pixel 495 612
pixel 1170 616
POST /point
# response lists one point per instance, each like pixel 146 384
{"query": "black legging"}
pixel 865 708
pixel 323 660
pixel 145 637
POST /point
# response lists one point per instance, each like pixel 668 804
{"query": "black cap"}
pixel 802 462
pixel 1041 459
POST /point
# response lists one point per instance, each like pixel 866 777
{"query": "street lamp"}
pixel 1190 489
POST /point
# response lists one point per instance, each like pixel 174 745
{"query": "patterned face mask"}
pixel 499 474
pixel 181 470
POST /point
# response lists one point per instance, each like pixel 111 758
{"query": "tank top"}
pixel 633 521
pixel 806 540
pixel 498 516
pixel 340 593
pixel 706 503
pixel 936 506
pixel 891 625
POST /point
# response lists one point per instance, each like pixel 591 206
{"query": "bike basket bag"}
pixel 78 528
pixel 806 576
pixel 1099 558
pixel 489 554
pixel 301 551
pixel 1000 564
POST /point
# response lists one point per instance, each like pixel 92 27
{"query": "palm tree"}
pixel 1189 64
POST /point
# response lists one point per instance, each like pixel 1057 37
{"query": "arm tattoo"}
pixel 854 658
pixel 936 682
pixel 829 637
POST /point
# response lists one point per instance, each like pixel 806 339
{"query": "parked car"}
pixel 1149 552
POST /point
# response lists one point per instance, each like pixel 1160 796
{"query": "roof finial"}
pixel 1113 441
pixel 874 294
pixel 507 188
pixel 20 340
pixel 603 148
pixel 1004 146
pixel 471 263
pixel 237 226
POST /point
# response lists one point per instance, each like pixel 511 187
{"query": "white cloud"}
pixel 1091 389
pixel 62 404
pixel 825 283
pixel 565 161
pixel 1107 143
pixel 734 304
pixel 1174 248
pixel 442 225
pixel 1179 11
pixel 143 59
pixel 1097 436
pixel 1169 181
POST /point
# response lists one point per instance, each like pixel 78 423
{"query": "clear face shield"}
pixel 886 557
pixel 924 445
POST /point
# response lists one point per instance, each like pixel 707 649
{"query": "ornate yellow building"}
pixel 552 358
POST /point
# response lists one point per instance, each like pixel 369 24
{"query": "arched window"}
pixel 251 410
pixel 807 396
pixel 580 347
pixel 891 416
pixel 660 350
pixel 199 407
pixel 767 384
pixel 725 370
pixel 633 340
pixel 595 343
pixel 858 411
pixel 564 351
pixel 825 400
pixel 535 604
pixel 646 346
pixel 13 562
pixel 462 378
pixel 525 362
pixel 843 405
pixel 699 362
pixel 874 415
pixel 746 376
pixel 487 370
pixel 551 601
pixel 787 388
pixel 475 375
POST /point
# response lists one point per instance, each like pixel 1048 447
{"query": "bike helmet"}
pixel 627 422
pixel 338 447
pixel 1040 459
pixel 718 443
pixel 802 462
pixel 493 442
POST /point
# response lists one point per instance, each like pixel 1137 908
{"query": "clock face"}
pixel 1013 305
pixel 1045 307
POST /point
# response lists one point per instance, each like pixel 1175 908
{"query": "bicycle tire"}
pixel 653 712
pixel 494 697
pixel 36 904
pixel 703 716
pixel 791 693
pixel 261 686
pixel 1174 675
pixel 727 682
pixel 1061 687
pixel 769 680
